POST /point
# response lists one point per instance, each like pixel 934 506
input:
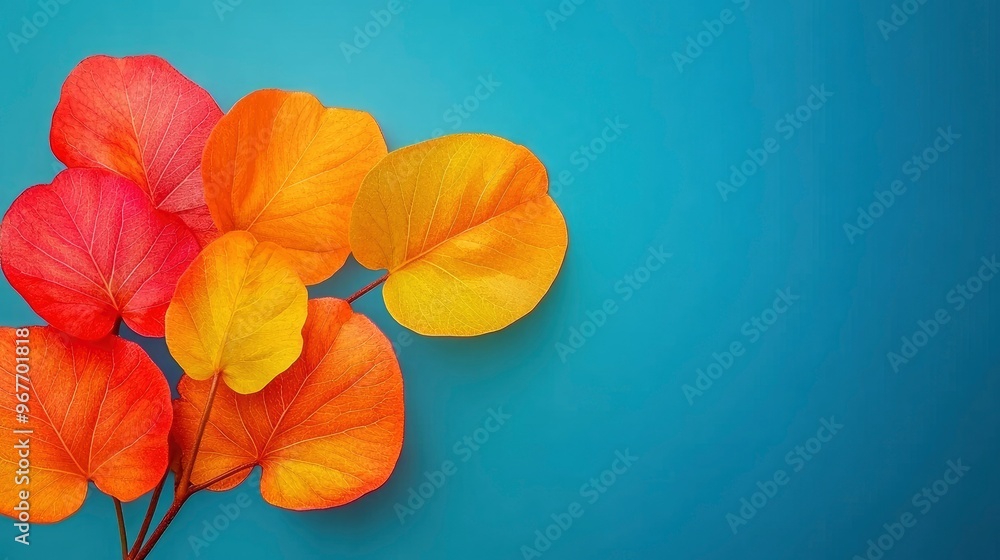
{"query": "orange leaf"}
pixel 325 432
pixel 287 169
pixel 141 118
pixel 98 412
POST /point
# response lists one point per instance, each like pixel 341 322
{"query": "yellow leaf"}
pixel 466 228
pixel 238 311
pixel 287 169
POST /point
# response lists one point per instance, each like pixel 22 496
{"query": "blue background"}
pixel 654 185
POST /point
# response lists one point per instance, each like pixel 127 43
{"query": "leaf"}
pixel 238 311
pixel 286 169
pixel 139 117
pixel 97 412
pixel 325 432
pixel 466 229
pixel 90 248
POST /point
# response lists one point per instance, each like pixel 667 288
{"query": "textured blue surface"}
pixel 655 184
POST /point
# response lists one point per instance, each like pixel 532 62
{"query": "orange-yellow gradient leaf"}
pixel 287 169
pixel 96 411
pixel 325 432
pixel 238 311
pixel 466 228
pixel 141 118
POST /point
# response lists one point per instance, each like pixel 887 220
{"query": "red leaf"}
pixel 139 117
pixel 89 248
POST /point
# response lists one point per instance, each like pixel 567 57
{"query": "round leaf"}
pixel 287 169
pixel 90 248
pixel 139 117
pixel 238 311
pixel 97 412
pixel 466 229
pixel 325 432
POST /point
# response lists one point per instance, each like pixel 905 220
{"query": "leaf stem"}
pixel 367 288
pixel 189 467
pixel 122 534
pixel 179 500
pixel 150 511
pixel 221 477
pixel 183 488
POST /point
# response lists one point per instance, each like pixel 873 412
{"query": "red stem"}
pixel 189 467
pixel 182 490
pixel 158 532
pixel 367 288
pixel 148 520
pixel 221 477
pixel 179 501
pixel 122 533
